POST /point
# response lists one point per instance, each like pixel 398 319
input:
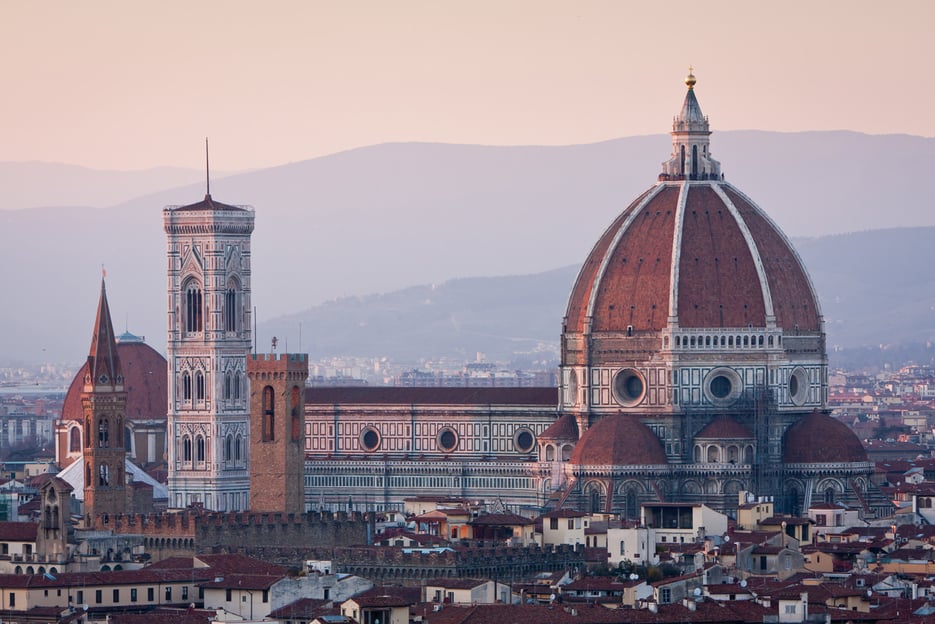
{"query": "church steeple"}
pixel 103 362
pixel 691 152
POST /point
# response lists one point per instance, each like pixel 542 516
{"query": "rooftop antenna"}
pixel 207 171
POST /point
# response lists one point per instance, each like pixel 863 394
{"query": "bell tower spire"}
pixel 691 151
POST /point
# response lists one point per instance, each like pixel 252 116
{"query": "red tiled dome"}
pixel 618 440
pixel 733 266
pixel 724 428
pixel 819 438
pixel 565 428
pixel 144 372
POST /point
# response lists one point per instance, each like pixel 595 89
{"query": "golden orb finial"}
pixel 690 79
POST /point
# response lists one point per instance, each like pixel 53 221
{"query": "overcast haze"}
pixel 131 85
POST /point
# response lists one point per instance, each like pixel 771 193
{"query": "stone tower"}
pixel 53 534
pixel 104 404
pixel 209 336
pixel 277 431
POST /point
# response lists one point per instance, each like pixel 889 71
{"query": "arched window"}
pixel 631 504
pixel 227 386
pixel 229 448
pixel 186 449
pixel 103 433
pixel 566 452
pixel 296 401
pixel 199 386
pixel 269 415
pixel 694 161
pixel 595 500
pixel 186 386
pixel 48 517
pixel 549 452
pixel 103 475
pixel 829 495
pixel 733 454
pixel 238 449
pixel 238 380
pixel 74 439
pixel 697 453
pixel 199 449
pixel 714 454
pixel 748 454
pixel 232 307
pixel 193 306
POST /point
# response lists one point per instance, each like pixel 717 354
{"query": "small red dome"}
pixel 618 440
pixel 724 428
pixel 144 373
pixel 819 438
pixel 563 429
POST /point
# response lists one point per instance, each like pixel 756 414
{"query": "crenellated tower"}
pixel 104 404
pixel 277 431
pixel 209 335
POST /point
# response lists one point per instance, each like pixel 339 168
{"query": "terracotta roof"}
pixel 625 281
pixel 18 531
pixel 724 427
pixel 618 440
pixel 208 204
pixel 502 519
pixel 145 377
pixel 431 396
pixel 565 428
pixel 819 438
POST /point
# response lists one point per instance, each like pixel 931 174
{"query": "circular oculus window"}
pixel 723 386
pixel 370 439
pixel 798 386
pixel 447 439
pixel 524 440
pixel 629 387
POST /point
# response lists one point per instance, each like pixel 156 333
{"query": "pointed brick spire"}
pixel 103 363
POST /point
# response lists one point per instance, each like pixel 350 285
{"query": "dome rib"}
pixel 677 254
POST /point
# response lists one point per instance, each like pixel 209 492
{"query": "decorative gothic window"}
pixel 74 440
pixel 103 475
pixel 238 449
pixel 231 308
pixel 199 386
pixel 186 386
pixel 296 402
pixel 829 495
pixel 103 433
pixel 229 448
pixel 200 449
pixel 186 449
pixel 269 414
pixel 193 308
pixel 227 386
pixel 238 380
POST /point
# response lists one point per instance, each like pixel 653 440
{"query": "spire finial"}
pixel 690 79
pixel 207 171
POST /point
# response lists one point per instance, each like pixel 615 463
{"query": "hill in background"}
pixel 382 218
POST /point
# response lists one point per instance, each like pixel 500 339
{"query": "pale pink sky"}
pixel 130 85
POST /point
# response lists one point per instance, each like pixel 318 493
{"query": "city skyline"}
pixel 114 86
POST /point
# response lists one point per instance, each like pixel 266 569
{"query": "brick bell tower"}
pixel 104 404
pixel 277 431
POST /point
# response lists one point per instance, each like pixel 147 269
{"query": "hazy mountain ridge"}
pixel 381 218
pixel 871 294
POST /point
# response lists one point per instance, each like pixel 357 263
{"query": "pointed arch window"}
pixel 232 307
pixel 238 380
pixel 229 448
pixel 74 440
pixel 228 393
pixel 200 449
pixel 269 414
pixel 186 449
pixel 186 386
pixel 103 475
pixel 103 433
pixel 238 449
pixel 193 308
pixel 199 386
